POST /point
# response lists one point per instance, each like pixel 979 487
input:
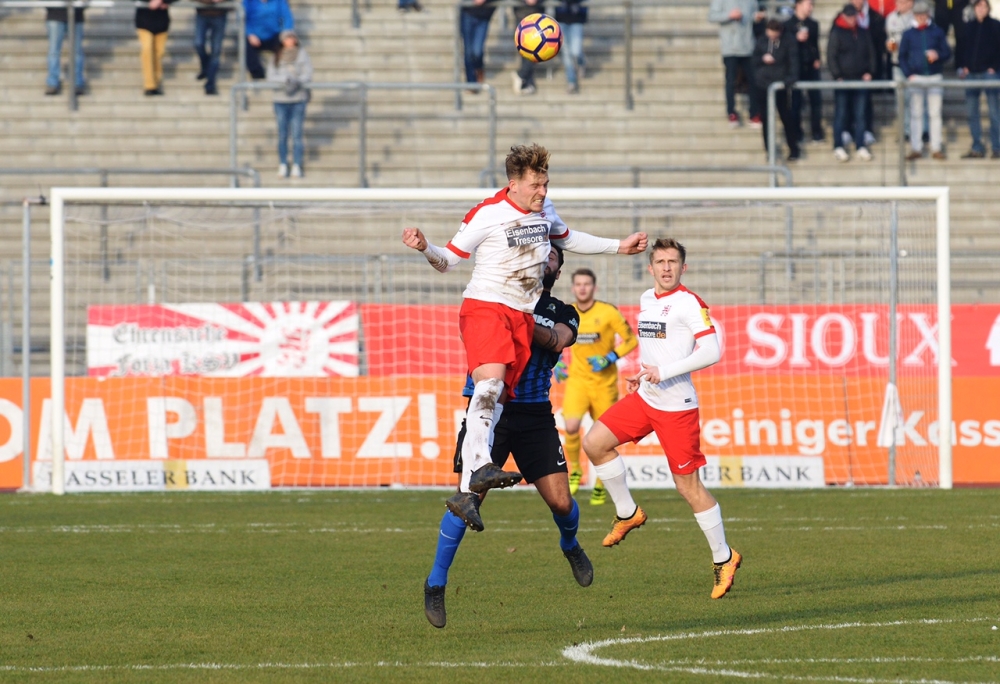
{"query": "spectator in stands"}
pixel 266 19
pixel 151 25
pixel 736 40
pixel 290 66
pixel 898 22
pixel 475 24
pixel 922 54
pixel 874 23
pixel 410 6
pixel 56 25
pixel 524 78
pixel 209 30
pixel 850 56
pixel 805 31
pixel 776 59
pixel 950 13
pixel 572 15
pixel 980 60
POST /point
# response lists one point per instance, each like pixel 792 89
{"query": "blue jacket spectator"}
pixel 266 19
pixel 913 51
pixel 922 54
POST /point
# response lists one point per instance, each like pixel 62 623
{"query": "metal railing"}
pixel 105 173
pixel 71 29
pixel 636 171
pixel 629 34
pixel 899 87
pixel 362 88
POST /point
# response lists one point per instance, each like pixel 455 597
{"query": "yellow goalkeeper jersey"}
pixel 598 326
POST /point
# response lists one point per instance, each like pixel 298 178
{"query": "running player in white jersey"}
pixel 676 337
pixel 510 234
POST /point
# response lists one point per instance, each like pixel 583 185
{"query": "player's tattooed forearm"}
pixel 436 260
pixel 552 339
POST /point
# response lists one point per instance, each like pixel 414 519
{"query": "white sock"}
pixel 493 428
pixel 479 428
pixel 612 474
pixel 710 522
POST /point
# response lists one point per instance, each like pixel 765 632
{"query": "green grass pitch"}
pixel 837 586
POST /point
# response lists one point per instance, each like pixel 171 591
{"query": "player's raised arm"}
pixel 635 243
pixel 585 243
pixel 442 260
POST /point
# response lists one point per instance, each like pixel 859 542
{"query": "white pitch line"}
pixel 584 654
pixel 271 666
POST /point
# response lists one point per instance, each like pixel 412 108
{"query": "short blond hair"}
pixel 668 243
pixel 524 158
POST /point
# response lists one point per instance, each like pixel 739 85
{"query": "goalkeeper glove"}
pixel 599 363
pixel 560 372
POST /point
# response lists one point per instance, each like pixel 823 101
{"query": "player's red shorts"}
pixel 496 333
pixel 679 433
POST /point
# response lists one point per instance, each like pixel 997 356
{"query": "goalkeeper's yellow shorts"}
pixel 587 397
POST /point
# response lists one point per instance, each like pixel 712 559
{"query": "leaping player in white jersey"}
pixel 510 234
pixel 676 337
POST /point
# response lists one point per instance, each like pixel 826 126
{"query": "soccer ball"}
pixel 538 37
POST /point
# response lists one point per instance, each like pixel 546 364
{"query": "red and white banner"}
pixel 849 339
pixel 276 339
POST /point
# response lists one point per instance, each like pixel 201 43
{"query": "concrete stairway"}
pixel 418 138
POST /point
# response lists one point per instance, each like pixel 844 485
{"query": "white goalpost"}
pixel 291 329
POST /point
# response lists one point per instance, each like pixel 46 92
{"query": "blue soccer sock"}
pixel 568 525
pixel 450 536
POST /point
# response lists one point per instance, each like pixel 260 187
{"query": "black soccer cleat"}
pixel 434 605
pixel 465 505
pixel 492 476
pixel 582 568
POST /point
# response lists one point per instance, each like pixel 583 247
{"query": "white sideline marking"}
pixel 497 526
pixel 584 654
pixel 266 666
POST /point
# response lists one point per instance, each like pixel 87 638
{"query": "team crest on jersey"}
pixel 551 307
pixel 666 310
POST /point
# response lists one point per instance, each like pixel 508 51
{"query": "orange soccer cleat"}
pixel 624 526
pixel 725 573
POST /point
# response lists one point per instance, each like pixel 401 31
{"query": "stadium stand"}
pixel 418 138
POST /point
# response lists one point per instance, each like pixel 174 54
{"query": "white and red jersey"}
pixel 511 247
pixel 669 325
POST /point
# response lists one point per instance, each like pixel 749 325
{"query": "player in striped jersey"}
pixel 510 234
pixel 676 338
pixel 526 430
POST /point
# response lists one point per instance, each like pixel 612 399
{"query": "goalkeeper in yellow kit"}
pixel 592 377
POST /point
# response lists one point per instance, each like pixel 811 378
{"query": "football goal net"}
pixel 290 332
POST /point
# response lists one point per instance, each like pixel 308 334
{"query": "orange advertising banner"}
pixel 378 431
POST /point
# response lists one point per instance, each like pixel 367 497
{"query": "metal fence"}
pixel 899 87
pixel 130 4
pixel 362 88
pixel 632 30
pixel 636 172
